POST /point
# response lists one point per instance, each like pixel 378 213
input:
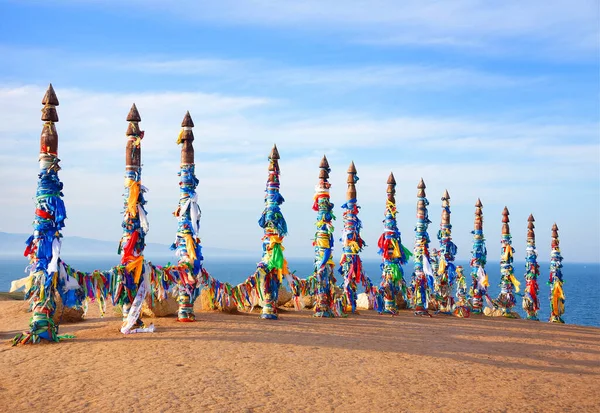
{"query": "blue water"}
pixel 581 287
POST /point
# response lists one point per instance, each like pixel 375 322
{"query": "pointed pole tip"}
pixel 391 180
pixel 133 115
pixel 274 152
pixel 352 168
pixel 187 120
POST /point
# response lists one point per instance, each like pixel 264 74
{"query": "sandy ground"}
pixel 364 363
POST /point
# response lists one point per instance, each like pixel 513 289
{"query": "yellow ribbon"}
pixel 442 267
pixel 190 246
pixel 396 252
pixel 136 267
pixel 323 242
pixel 557 295
pixel 134 193
pixel 515 282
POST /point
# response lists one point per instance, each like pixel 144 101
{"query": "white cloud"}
pixel 234 135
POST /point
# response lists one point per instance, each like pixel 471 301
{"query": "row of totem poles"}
pixel 130 283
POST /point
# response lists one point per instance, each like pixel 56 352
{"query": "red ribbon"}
pixel 43 214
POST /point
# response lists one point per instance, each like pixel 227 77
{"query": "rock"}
pixel 362 301
pixel 306 301
pixel 70 315
pixel 497 312
pixel 337 292
pixel 161 308
pixel 204 303
pixel 400 302
pixel 284 296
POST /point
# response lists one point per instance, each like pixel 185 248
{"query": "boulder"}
pixel 161 308
pixel 204 303
pixel 306 301
pixel 284 296
pixel 400 302
pixel 362 302
pixel 497 312
pixel 70 315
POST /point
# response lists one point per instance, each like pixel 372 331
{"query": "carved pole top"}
pixel 391 180
pixel 505 221
pixel 421 189
pixel 478 215
pixel 554 231
pixel 324 166
pixel 49 101
pixel 50 97
pixel 133 115
pixel 274 153
pixel 391 188
pixel 445 199
pixel 351 191
pixel 187 121
pixel 530 227
pixel 445 211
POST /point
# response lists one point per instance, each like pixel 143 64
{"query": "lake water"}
pixel 581 287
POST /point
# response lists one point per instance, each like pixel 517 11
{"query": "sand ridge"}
pixel 368 362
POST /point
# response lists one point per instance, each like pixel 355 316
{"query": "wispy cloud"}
pixel 527 165
pixel 260 72
pixel 553 26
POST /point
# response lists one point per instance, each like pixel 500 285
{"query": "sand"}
pixel 365 363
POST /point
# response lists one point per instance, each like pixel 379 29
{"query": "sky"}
pixel 490 100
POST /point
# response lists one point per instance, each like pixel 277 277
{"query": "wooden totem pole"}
pixel 557 295
pixel 323 243
pixel 131 284
pixel 423 275
pixel 531 302
pixel 446 269
pixel 508 283
pixel 273 265
pixel 351 267
pixel 46 272
pixel 478 260
pixel 394 255
pixel 187 244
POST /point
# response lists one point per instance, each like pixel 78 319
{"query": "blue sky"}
pixel 492 100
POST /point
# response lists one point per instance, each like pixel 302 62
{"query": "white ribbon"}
pixel 481 278
pixel 70 282
pixel 53 265
pixel 195 214
pixel 143 219
pixel 136 308
pixel 427 266
pixel 18 284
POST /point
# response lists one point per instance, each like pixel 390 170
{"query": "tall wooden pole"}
pixel 393 254
pixel 446 269
pixel 531 302
pixel 131 284
pixel 187 243
pixel 557 295
pixel 323 243
pixel 273 266
pixel 423 275
pixel 43 247
pixel 508 283
pixel 478 260
pixel 351 267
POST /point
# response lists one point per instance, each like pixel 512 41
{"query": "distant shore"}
pixel 366 362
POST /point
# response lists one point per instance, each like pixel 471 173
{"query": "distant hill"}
pixel 14 245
